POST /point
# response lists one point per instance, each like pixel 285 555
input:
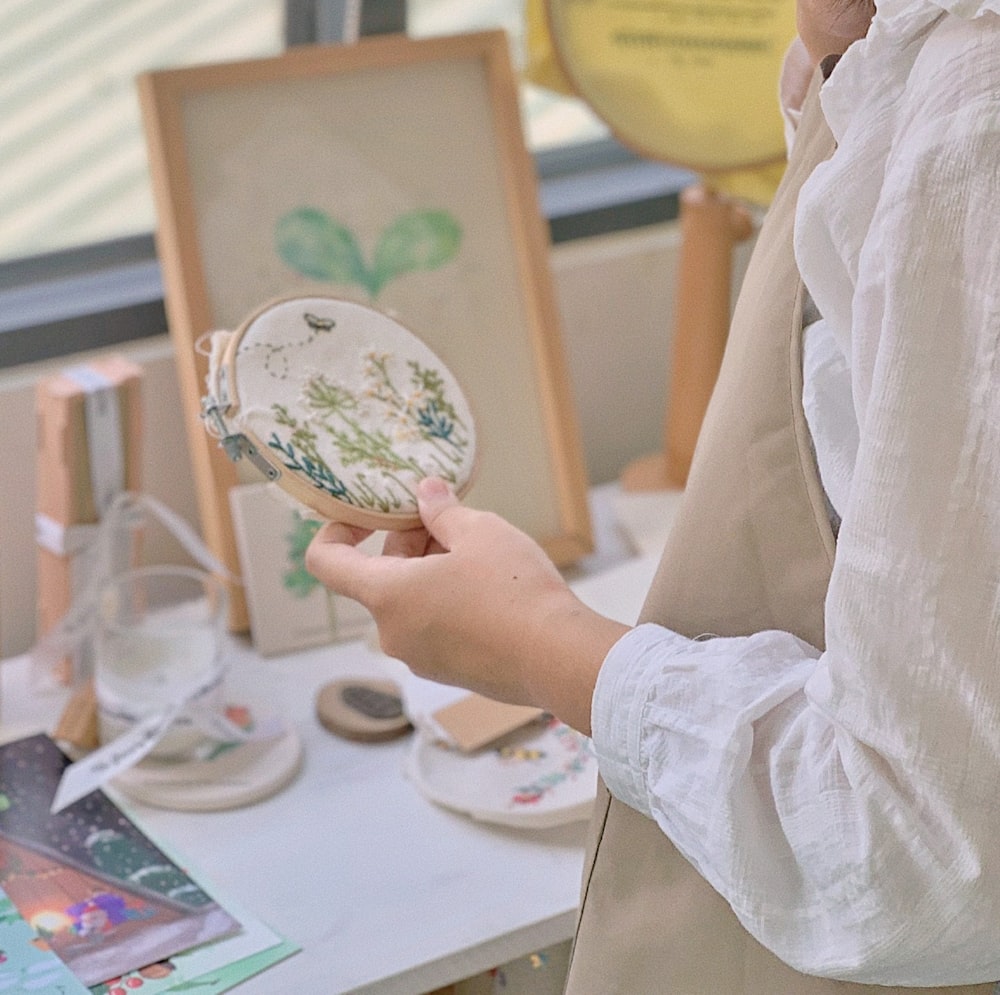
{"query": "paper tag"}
pixel 474 721
pixel 97 768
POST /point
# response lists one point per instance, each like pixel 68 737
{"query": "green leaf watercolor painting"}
pixel 313 244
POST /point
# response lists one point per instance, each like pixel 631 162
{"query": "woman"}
pixel 801 738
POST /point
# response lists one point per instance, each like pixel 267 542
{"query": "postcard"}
pixel 26 962
pixel 171 976
pixel 210 969
pixel 289 609
pixel 27 965
pixel 92 885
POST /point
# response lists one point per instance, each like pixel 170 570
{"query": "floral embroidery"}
pixel 579 759
pixel 389 433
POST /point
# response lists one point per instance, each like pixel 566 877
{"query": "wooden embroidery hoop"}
pixel 226 407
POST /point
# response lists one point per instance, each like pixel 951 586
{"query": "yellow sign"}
pixel 690 82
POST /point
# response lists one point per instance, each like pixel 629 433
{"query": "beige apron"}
pixel 751 549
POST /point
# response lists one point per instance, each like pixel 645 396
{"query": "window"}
pixel 77 262
pixel 73 156
pixel 551 120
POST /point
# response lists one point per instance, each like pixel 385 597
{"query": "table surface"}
pixel 383 891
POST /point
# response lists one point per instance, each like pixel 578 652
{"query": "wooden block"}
pixel 77 725
pixel 65 494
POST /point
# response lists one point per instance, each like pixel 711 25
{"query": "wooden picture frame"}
pixel 326 170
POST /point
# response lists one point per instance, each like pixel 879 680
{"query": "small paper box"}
pixel 89 450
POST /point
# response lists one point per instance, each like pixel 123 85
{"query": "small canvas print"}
pixel 94 888
pixel 289 609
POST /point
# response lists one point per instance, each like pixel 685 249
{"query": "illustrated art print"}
pixel 97 891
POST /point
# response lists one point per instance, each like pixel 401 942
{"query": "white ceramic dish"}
pixel 241 775
pixel 542 776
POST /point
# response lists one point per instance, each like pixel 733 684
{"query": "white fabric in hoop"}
pixel 351 406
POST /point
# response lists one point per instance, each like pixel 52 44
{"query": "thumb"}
pixel 434 499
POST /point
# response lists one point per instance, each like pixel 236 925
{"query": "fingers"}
pixel 350 535
pixel 333 559
pixel 435 501
pixel 434 497
pixel 411 542
pixel 332 556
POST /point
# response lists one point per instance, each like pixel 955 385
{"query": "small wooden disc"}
pixel 362 709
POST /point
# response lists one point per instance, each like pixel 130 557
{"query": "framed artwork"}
pixel 392 172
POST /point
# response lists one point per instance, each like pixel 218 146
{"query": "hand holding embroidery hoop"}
pixel 342 407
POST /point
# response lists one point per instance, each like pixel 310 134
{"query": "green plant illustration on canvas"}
pixel 336 415
pixel 313 244
pixel 297 580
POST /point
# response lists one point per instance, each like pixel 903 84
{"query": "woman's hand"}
pixel 470 600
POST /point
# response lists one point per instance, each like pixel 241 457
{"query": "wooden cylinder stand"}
pixel 712 225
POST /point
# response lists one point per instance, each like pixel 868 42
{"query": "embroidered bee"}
pixel 277 357
pixel 318 324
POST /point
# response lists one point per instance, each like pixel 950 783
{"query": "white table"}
pixel 383 891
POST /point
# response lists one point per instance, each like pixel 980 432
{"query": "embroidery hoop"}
pixel 297 358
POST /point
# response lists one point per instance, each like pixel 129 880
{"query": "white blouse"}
pixel 847 803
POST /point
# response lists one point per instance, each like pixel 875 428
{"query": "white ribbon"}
pixel 102 417
pixel 108 761
pixel 127 512
pixel 63 540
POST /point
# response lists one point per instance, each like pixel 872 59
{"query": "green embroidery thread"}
pixel 335 415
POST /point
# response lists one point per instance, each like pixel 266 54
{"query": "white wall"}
pixel 615 294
